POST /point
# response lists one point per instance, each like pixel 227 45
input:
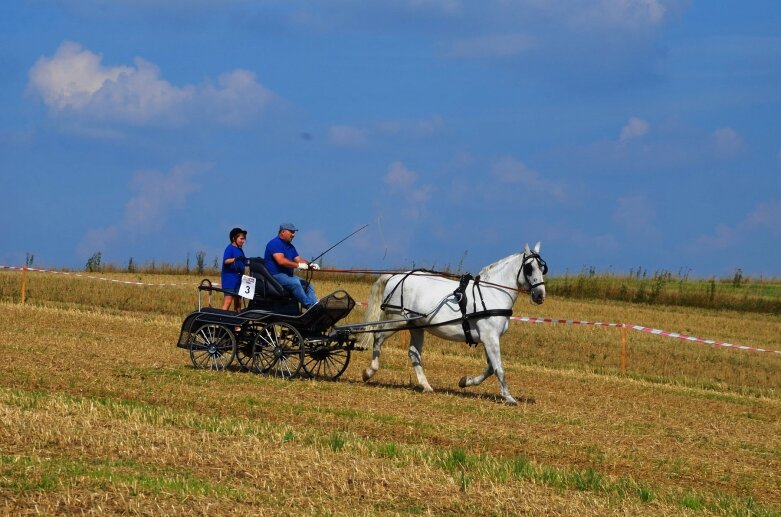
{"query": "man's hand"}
pixel 303 265
pixel 314 266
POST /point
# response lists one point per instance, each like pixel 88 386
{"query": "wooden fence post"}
pixel 623 347
pixel 24 283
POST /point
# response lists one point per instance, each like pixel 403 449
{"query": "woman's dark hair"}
pixel 236 232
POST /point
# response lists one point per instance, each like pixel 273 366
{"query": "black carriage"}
pixel 273 335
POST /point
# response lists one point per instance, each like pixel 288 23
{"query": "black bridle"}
pixel 527 268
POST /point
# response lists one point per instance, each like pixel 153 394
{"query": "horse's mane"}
pixel 490 268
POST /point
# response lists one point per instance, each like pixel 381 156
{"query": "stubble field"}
pixel 101 413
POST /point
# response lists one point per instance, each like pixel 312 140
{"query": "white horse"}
pixel 420 301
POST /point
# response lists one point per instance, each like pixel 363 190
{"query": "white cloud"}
pixel 625 13
pixel 423 194
pixel 412 199
pixel 578 14
pixel 491 46
pixel 146 212
pixel 347 136
pixel 601 14
pixel 399 176
pixel 511 171
pixel 157 193
pixel 74 82
pixel 762 222
pixel 635 128
pixel 448 7
pixel 728 143
pixel 237 97
pixel 71 77
pixel 418 128
pixel 766 217
pixel 724 237
pixel 417 200
pixel 429 127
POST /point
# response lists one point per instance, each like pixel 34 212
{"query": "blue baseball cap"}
pixel 288 226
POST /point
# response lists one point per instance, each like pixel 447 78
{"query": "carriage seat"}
pixel 320 316
pixel 266 285
pixel 269 294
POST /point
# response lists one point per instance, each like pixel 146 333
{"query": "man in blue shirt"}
pixel 282 258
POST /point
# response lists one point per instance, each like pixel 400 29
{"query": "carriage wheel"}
pixel 212 347
pixel 244 354
pixel 278 350
pixel 246 344
pixel 326 361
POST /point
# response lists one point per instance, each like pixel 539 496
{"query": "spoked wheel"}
pixel 212 347
pixel 278 350
pixel 244 354
pixel 325 359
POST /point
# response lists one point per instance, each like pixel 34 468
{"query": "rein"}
pixel 527 260
pixel 425 272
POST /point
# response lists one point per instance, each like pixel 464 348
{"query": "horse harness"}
pixel 460 294
pixel 461 298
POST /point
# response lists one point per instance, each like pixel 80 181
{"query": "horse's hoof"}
pixel 428 389
pixel 367 374
pixel 462 382
pixel 510 401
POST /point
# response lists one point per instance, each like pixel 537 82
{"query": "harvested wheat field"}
pixel 102 414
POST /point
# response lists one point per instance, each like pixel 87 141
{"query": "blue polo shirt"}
pixel 277 245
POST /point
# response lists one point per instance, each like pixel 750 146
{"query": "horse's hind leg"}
pixel 416 357
pixel 477 379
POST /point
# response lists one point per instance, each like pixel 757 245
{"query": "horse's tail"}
pixel 374 309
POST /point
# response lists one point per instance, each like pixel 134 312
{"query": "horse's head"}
pixel 531 275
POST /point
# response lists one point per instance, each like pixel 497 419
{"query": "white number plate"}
pixel 247 287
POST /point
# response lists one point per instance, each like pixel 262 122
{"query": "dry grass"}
pixel 102 414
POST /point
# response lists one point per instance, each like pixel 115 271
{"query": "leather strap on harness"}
pixel 385 303
pixel 460 296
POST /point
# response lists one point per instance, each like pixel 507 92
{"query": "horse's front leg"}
pixel 416 357
pixel 494 357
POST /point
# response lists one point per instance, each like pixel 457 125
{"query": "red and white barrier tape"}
pixel 525 319
pixel 648 330
pixel 79 275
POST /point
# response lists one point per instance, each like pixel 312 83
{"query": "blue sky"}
pixel 620 133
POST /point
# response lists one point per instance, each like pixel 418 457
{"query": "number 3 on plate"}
pixel 247 287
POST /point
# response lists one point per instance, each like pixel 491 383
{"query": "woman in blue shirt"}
pixel 233 262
